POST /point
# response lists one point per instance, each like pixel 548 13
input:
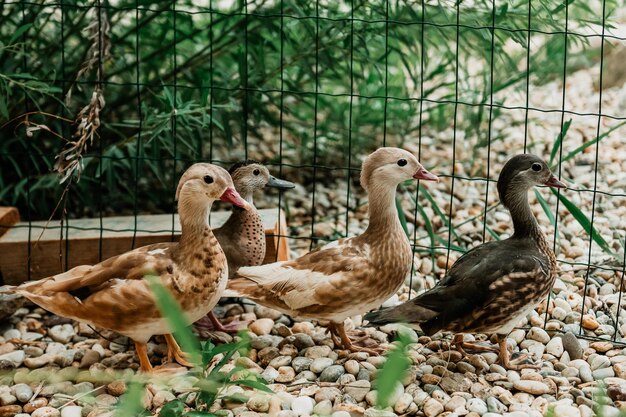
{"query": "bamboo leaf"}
pixel 559 141
pixel 585 223
pixel 175 318
pixel 392 372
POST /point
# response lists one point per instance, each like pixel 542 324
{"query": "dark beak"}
pixel 553 182
pixel 423 174
pixel 280 184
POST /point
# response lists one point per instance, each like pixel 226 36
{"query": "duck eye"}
pixel 536 167
pixel 256 172
pixel 208 179
pixel 402 162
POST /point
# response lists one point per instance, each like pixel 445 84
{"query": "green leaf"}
pixel 392 372
pixel 199 414
pixel 131 404
pixel 585 223
pixel 172 409
pixel 19 32
pixel 175 318
pixel 253 384
pixel 559 140
pixel 546 207
pixel 402 216
pixel 592 142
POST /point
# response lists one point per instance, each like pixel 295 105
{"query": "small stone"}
pixel 22 392
pixel 285 374
pixel 600 374
pixel 302 341
pixel 315 352
pixel 46 412
pixel 455 383
pixel 599 362
pixel 117 388
pixel 375 412
pixel 10 410
pixel 35 404
pixel 323 408
pixel 302 406
pixel 319 364
pixel 584 372
pixel 404 402
pixel 341 413
pixel 601 347
pixel 538 334
pixel 262 326
pixel 531 387
pixel 332 373
pixel 476 405
pixel 34 363
pixel 572 345
pixel 61 333
pixel 327 393
pixel 15 358
pixel 555 347
pixel 71 411
pixel 352 366
pixel 279 361
pixel 432 408
pixel 301 363
pixel 259 403
pixel 89 358
pixel 590 322
pixel 564 410
pixel 161 398
pixel 495 406
pixel 6 398
pixel 358 389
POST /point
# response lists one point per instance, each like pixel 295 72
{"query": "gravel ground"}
pixel 298 359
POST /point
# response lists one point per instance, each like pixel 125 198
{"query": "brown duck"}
pixel 349 276
pixel 113 293
pixel 242 237
pixel 491 287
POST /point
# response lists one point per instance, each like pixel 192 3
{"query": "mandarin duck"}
pixel 242 237
pixel 494 285
pixel 113 294
pixel 352 275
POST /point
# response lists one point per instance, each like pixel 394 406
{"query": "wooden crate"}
pixel 89 242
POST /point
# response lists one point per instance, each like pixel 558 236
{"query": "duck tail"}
pixel 409 313
pixel 8 289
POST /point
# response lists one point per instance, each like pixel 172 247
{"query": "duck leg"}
pixel 175 353
pixel 142 353
pixel 211 322
pixel 505 356
pixel 338 330
pixel 461 345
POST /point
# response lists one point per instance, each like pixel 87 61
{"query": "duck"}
pixel 113 294
pixel 242 237
pixel 349 276
pixel 490 288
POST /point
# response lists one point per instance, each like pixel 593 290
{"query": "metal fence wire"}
pixel 116 98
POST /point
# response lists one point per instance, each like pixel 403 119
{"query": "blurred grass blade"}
pixel 585 223
pixel 438 210
pixel 392 372
pixel 546 207
pixel 176 319
pixel 172 409
pixel 585 145
pixel 559 141
pixel 131 403
pixel 402 216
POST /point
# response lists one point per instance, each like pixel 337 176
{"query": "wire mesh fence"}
pixel 124 94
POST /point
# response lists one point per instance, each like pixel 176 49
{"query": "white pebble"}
pixel 302 406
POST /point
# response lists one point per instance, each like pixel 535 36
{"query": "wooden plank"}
pixel 87 244
pixel 9 216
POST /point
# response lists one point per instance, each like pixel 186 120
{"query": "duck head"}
pixel 521 173
pixel 250 175
pixel 205 183
pixel 391 166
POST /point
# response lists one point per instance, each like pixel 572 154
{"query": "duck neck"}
pixel 383 215
pixel 524 221
pixel 194 221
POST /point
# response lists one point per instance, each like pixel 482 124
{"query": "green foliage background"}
pixel 218 64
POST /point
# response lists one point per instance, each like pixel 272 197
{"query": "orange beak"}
pixel 423 174
pixel 232 196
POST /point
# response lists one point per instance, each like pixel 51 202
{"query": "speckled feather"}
pixel 491 287
pixel 349 276
pixel 113 293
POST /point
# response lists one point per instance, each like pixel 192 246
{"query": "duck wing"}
pixel 320 278
pixel 116 283
pixel 497 273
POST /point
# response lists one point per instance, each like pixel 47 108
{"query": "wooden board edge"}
pixel 9 216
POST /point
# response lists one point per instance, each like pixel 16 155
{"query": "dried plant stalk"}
pixel 69 160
